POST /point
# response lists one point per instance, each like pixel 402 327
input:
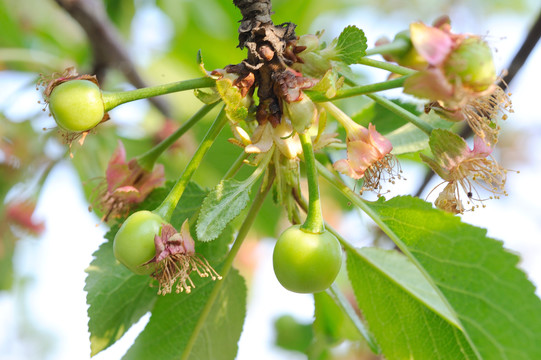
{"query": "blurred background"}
pixel 48 235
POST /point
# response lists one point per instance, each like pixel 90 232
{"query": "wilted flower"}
pixel 127 183
pixel 449 200
pixel 459 77
pixel 176 259
pixel 459 66
pixel 463 168
pixel 283 136
pixel 368 153
pixel 368 157
pixel 480 113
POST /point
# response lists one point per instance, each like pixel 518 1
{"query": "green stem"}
pixel 236 165
pixel 397 47
pixel 397 69
pixel 343 118
pixel 317 96
pixel 261 167
pixel 228 263
pixel 165 210
pixel 346 307
pixel 314 218
pixel 389 105
pixel 113 99
pixel 147 160
pixel 400 111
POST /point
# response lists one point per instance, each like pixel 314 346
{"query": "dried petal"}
pixel 464 169
pixel 126 184
pixel 368 157
pixel 432 43
pixel 176 259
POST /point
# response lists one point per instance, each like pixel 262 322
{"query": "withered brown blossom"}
pixel 126 184
pixel 176 260
pixel 465 171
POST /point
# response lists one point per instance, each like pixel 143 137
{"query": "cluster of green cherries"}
pixel 306 258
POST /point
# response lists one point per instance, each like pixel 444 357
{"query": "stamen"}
pixel 177 268
pixel 387 169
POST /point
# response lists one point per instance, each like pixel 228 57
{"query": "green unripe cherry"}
pixel 77 105
pixel 305 262
pixel 134 242
pixel 472 62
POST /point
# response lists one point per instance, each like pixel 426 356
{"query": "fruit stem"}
pixel 165 210
pixel 314 218
pixel 397 69
pixel 147 160
pixel 403 113
pixel 357 90
pixel 236 165
pixel 113 99
pixel 398 46
pixel 398 110
pixel 228 263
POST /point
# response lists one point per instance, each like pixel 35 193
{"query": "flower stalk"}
pixel 314 219
pixel 403 113
pixel 147 160
pixel 165 210
pixel 396 69
pixel 113 99
pixel 398 46
pixel 358 90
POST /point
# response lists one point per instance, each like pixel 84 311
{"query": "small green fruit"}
pixel 472 63
pixel 134 245
pixel 77 105
pixel 305 262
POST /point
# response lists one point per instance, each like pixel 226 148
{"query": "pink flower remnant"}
pixel 368 157
pixel 464 168
pixel 127 183
pixel 176 259
pixel 458 77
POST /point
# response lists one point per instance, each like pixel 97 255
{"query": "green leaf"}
pixel 408 138
pixel 384 119
pixel 175 316
pixel 493 300
pixel 224 203
pixel 117 297
pixel 406 315
pixel 351 45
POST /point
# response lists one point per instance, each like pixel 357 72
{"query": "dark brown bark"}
pixel 271 50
